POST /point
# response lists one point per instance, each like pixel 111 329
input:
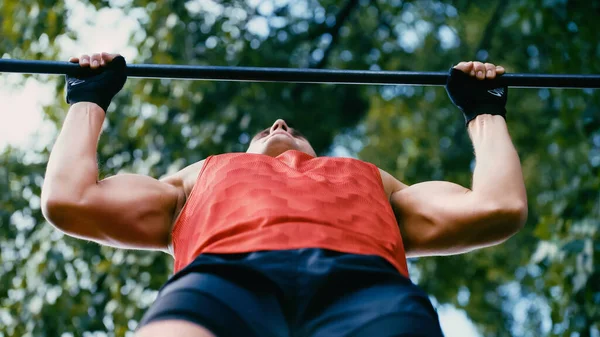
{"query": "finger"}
pixel 490 71
pixel 84 60
pixel 479 69
pixel 95 61
pixel 107 57
pixel 74 59
pixel 465 67
pixel 500 70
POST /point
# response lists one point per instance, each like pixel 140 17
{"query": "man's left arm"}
pixel 443 218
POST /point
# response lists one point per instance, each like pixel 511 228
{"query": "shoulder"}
pixel 390 184
pixel 185 178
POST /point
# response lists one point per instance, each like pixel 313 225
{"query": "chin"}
pixel 276 146
pixel 275 151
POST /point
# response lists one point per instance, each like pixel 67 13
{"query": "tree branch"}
pixel 340 20
pixel 383 21
pixel 486 40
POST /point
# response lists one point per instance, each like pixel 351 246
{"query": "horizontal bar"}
pixel 299 75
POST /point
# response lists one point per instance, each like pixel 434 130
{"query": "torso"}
pixel 187 177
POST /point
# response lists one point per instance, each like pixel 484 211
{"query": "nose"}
pixel 279 125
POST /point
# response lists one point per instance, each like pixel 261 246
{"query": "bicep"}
pixel 126 211
pixel 442 218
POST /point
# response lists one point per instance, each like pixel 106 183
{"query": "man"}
pixel 277 241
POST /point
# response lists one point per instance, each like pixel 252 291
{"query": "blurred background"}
pixel 545 281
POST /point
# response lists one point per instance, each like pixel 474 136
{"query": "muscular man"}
pixel 278 241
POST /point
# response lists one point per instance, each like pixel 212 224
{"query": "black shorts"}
pixel 296 293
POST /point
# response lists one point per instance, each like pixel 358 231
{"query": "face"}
pixel 279 138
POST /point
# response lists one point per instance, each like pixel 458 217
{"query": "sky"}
pixel 21 103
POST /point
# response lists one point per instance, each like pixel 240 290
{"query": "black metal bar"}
pixel 256 74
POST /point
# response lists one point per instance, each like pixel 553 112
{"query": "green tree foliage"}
pixel 545 281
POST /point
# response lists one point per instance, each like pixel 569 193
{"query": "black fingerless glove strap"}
pixel 97 86
pixel 476 97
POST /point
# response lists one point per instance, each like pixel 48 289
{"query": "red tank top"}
pixel 249 202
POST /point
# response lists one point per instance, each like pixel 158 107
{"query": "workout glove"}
pixel 476 97
pixel 97 86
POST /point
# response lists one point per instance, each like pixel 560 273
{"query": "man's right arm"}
pixel 125 211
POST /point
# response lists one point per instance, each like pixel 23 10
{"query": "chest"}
pixel 322 182
pixel 343 182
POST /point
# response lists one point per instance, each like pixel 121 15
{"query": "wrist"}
pixel 90 107
pixel 486 121
pixel 484 109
